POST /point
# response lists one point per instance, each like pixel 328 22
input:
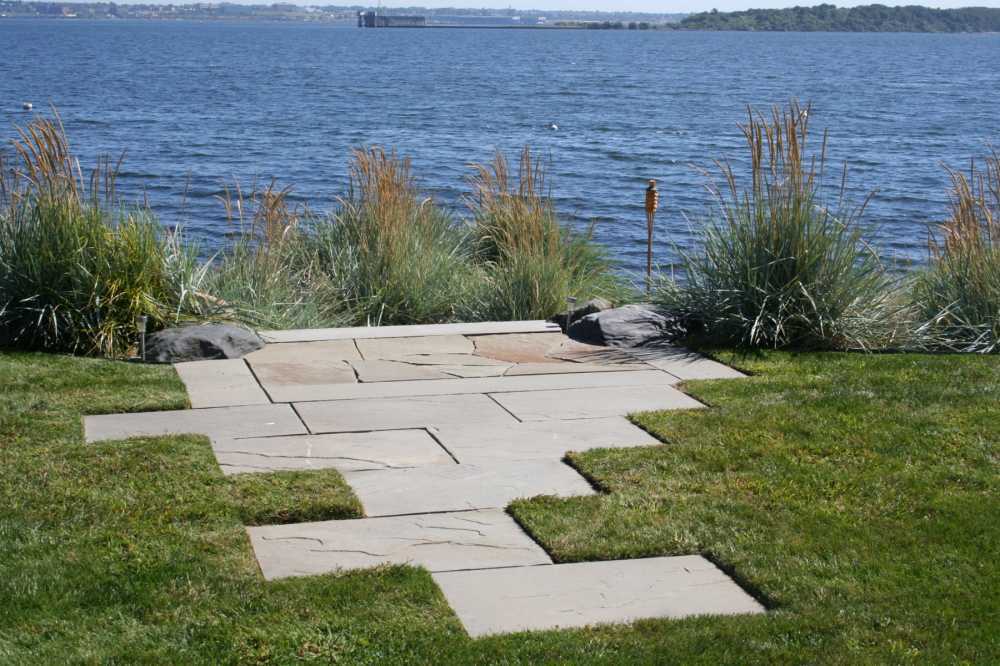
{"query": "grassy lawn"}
pixel 857 496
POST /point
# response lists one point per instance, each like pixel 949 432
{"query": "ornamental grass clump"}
pixel 76 270
pixel 958 295
pixel 778 267
pixel 533 262
pixel 391 255
pixel 270 277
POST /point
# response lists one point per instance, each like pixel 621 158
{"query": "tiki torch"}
pixel 652 203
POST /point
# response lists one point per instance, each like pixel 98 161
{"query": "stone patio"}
pixel 437 429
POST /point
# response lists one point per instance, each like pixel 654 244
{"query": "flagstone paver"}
pixel 440 387
pixel 346 452
pixel 591 403
pixel 396 413
pixel 461 487
pixel 440 542
pixel 216 422
pixel 392 348
pixel 437 429
pixel 540 440
pixel 496 601
pixel 684 364
pixel 394 371
pixel 331 350
pixel 221 383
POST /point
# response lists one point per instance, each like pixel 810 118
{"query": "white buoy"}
pixel 554 127
pixel 27 106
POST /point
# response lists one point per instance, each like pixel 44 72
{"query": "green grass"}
pixel 857 495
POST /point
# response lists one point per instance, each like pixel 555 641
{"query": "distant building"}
pixel 372 19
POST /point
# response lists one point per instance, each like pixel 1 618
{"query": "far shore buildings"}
pixel 370 19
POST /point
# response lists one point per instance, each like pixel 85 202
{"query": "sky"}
pixel 662 6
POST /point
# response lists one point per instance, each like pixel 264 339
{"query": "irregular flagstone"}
pixel 581 352
pixel 333 350
pixel 397 413
pixel 301 375
pixel 345 391
pixel 216 422
pixel 392 348
pixel 556 367
pixel 451 360
pixel 544 440
pixel 220 383
pixel 685 364
pixel 393 371
pixel 438 542
pixel 368 332
pixel 575 595
pixel 518 348
pixel 473 371
pixel 345 452
pixel 591 403
pixel 462 487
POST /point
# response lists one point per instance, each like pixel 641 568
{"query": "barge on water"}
pixel 372 19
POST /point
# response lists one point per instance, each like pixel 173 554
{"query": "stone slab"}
pixel 332 350
pixel 542 440
pixel 592 403
pixel 345 452
pixel 519 347
pixel 438 542
pixel 684 364
pixel 368 332
pixel 451 360
pixel 393 348
pixel 276 375
pixel 216 422
pixel 580 594
pixel 344 391
pixel 474 371
pixel 556 367
pixel 398 413
pixel 462 487
pixel 393 371
pixel 222 383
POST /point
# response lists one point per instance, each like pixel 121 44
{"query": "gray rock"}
pixel 201 343
pixel 627 326
pixel 579 312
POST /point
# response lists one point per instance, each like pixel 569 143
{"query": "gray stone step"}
pixel 576 595
pixel 341 391
pixel 215 422
pixel 541 440
pixel 462 487
pixel 345 452
pixel 399 413
pixel 591 403
pixel 439 542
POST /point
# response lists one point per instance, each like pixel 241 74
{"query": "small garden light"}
pixel 570 302
pixel 140 325
pixel 652 203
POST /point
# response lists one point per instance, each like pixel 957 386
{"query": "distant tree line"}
pixel 829 18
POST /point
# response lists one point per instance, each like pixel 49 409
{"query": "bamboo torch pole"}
pixel 652 203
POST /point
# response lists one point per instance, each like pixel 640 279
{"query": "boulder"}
pixel 201 343
pixel 627 326
pixel 581 311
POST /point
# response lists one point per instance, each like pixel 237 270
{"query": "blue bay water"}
pixel 198 105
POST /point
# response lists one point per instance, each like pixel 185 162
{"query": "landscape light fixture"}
pixel 652 203
pixel 140 325
pixel 570 302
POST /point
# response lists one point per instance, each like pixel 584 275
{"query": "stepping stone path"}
pixel 437 429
